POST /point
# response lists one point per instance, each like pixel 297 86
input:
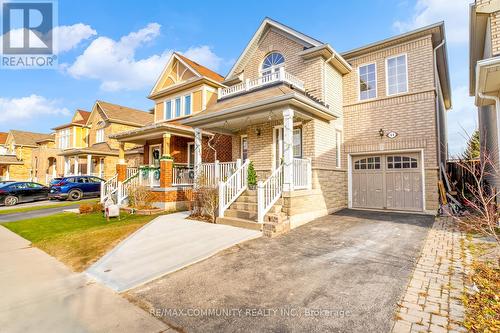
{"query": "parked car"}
pixel 13 193
pixel 74 188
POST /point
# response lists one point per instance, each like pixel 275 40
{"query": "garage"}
pixel 391 181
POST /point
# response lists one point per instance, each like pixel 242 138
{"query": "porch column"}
pixel 166 163
pixel 197 152
pixel 121 167
pixel 75 167
pixel 66 165
pixel 288 150
pixel 89 164
pixel 7 173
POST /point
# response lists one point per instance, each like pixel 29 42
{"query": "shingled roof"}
pixel 3 137
pixel 202 70
pixel 85 116
pixel 23 138
pixel 123 114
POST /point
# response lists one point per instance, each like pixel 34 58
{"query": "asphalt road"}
pixel 34 213
pixel 341 273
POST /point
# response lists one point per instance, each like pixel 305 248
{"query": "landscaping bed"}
pixel 78 240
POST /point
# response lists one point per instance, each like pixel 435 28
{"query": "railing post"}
pixel 102 192
pixel 217 172
pixel 260 202
pixel 119 194
pixel 282 73
pixel 238 178
pixel 221 199
pixel 309 173
pixel 247 84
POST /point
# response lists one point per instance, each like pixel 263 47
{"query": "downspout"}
pixel 497 110
pixel 210 146
pixel 437 85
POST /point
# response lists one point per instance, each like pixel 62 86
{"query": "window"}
pixel 367 82
pixel 244 147
pixel 177 107
pixel 401 162
pixel 168 110
pixel 369 163
pixel 397 75
pixel 297 142
pixel 272 62
pixel 99 136
pixel 187 105
pixel 338 143
pixel 64 136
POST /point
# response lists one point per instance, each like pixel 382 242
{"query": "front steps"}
pixel 243 213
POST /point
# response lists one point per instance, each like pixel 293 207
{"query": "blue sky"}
pixel 114 50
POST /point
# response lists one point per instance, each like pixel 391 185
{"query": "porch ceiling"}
pixel 487 79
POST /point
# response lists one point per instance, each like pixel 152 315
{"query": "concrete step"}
pixel 240 223
pixel 246 198
pixel 250 193
pixel 242 214
pixel 249 206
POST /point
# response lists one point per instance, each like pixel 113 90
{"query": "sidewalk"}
pixel 40 294
pixel 432 300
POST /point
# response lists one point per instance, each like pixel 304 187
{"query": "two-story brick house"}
pixel 361 129
pixel 86 144
pixel 484 77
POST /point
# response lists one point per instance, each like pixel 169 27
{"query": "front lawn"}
pixel 77 240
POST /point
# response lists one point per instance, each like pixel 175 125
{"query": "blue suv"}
pixel 74 188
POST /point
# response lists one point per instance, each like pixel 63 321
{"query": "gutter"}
pixel 437 85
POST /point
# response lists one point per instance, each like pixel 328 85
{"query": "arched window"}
pixel 272 63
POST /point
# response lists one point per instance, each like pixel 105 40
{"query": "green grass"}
pixel 77 240
pixel 32 208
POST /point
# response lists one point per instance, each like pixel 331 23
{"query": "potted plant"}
pixel 251 177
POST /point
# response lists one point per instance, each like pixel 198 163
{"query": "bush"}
pixel 206 202
pixel 140 197
pixel 97 207
pixel 86 208
pixel 251 176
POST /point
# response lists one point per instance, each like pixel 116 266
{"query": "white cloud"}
pixel 30 107
pixel 454 13
pixel 68 37
pixel 462 120
pixel 65 37
pixel 115 65
pixel 204 56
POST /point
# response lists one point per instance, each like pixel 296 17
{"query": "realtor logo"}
pixel 27 28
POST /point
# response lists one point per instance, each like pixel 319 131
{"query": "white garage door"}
pixel 387 182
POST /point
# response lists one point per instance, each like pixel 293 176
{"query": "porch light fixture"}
pixel 381 133
pixel 257 131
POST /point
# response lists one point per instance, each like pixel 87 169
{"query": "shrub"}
pixel 251 176
pixel 140 197
pixel 97 207
pixel 86 208
pixel 205 202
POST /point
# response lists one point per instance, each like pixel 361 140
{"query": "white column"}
pixel 89 164
pixel 7 173
pixel 75 167
pixel 288 150
pixel 66 165
pixel 197 152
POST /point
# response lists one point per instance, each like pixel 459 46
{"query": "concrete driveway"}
pixel 341 273
pixel 168 243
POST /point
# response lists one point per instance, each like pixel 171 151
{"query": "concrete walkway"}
pixel 167 244
pixel 40 294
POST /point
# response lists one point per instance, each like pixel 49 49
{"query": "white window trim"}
pixel 387 74
pixel 241 145
pixel 173 107
pixel 190 146
pixel 338 146
pixel 97 138
pixel 151 148
pixel 359 82
pixel 295 124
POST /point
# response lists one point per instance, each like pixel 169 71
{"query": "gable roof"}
pixel 48 137
pixel 124 115
pixel 23 138
pixel 270 23
pixel 3 137
pixel 85 117
pixel 199 70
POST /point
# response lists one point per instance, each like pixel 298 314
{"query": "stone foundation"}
pixel 172 198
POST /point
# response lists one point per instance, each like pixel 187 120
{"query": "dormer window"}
pixel 272 63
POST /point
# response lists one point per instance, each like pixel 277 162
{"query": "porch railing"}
pixel 131 171
pixel 183 175
pixel 124 187
pixel 149 176
pixel 109 187
pixel 233 187
pixel 302 173
pixel 269 192
pixel 279 76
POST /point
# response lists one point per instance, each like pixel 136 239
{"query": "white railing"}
pixel 124 187
pixel 302 173
pixel 109 187
pixel 149 176
pixel 215 172
pixel 279 76
pixel 226 170
pixel 269 192
pixel 182 175
pixel 233 187
pixel 131 171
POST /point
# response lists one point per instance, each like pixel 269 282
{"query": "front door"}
pixel 279 147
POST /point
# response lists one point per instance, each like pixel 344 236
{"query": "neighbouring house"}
pixel 3 160
pixel 183 89
pixel 484 77
pixel 86 144
pixel 16 157
pixel 324 130
pixel 44 160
